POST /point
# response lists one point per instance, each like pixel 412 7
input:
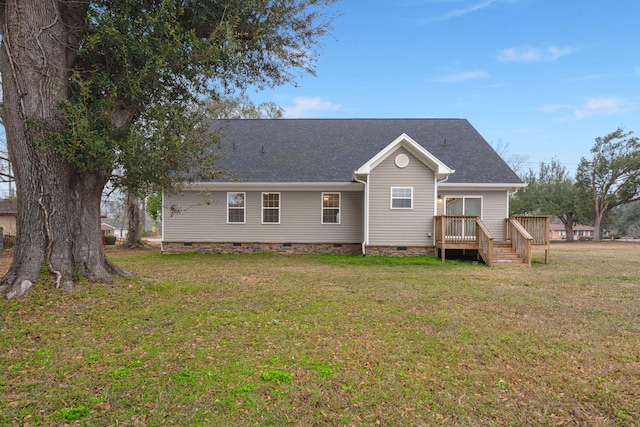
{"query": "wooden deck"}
pixel 467 232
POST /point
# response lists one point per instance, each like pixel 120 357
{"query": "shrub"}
pixel 110 239
pixel 8 241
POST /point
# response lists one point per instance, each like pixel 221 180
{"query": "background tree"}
pixel 612 175
pixel 230 107
pixel 241 107
pixel 551 191
pixel 626 219
pixel 6 173
pixel 516 162
pixel 92 87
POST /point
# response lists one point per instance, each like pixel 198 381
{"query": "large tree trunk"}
pixel 598 225
pixel 569 221
pixel 58 214
pixel 134 220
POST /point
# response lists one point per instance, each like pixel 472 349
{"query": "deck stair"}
pixel 504 254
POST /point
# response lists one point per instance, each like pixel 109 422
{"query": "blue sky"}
pixel 544 76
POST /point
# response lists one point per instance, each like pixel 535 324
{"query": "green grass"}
pixel 331 340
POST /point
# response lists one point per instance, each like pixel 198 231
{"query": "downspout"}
pixel 366 213
pixel 162 225
pixel 438 180
pixel 510 192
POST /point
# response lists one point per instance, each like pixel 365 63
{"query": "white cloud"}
pixel 531 54
pixel 520 54
pixel 467 9
pixel 600 107
pixel 309 107
pixel 554 53
pixel 462 76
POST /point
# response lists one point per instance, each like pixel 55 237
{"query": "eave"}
pixel 275 186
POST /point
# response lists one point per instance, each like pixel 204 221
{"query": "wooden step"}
pixel 505 255
pixel 507 261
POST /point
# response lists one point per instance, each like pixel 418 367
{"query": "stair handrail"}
pixel 485 242
pixel 520 240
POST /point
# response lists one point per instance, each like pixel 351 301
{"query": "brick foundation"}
pixel 251 248
pixel 293 248
pixel 401 251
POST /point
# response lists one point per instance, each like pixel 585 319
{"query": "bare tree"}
pixel 516 162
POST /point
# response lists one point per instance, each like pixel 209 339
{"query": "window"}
pixel 401 197
pixel 236 208
pixel 271 208
pixel 331 208
pixel 461 205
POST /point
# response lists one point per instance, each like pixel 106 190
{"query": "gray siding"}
pixel 401 227
pixel 494 207
pixel 203 218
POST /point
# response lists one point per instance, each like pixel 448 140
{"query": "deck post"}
pixel 443 234
pixel 547 230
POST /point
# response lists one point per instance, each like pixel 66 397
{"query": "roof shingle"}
pixel 330 150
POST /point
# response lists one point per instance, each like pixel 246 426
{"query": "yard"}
pixel 257 340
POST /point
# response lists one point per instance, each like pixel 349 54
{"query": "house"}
pixel 8 212
pixel 106 229
pixel 119 230
pixel 559 232
pixel 371 186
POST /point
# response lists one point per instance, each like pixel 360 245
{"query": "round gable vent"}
pixel 402 160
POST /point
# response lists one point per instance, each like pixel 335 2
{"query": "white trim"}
pixel 414 148
pixel 263 207
pixel 276 186
pixel 322 208
pixel 391 198
pixel 480 186
pixel 244 207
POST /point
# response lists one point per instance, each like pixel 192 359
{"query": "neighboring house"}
pixel 119 230
pixel 372 186
pixel 106 229
pixel 8 221
pixel 559 232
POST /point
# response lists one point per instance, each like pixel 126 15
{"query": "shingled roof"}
pixel 330 150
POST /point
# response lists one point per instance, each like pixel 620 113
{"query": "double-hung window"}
pixel 401 197
pixel 271 208
pixel 331 208
pixel 236 208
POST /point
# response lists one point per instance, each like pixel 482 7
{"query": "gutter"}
pixel 366 213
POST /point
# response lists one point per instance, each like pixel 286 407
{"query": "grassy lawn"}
pixel 217 340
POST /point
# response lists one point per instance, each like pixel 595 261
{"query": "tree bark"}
pixel 598 226
pixel 133 217
pixel 569 221
pixel 58 208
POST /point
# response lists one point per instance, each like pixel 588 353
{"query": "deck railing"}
pixel 485 243
pixel 456 228
pixel 463 232
pixel 520 239
pixel 539 227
